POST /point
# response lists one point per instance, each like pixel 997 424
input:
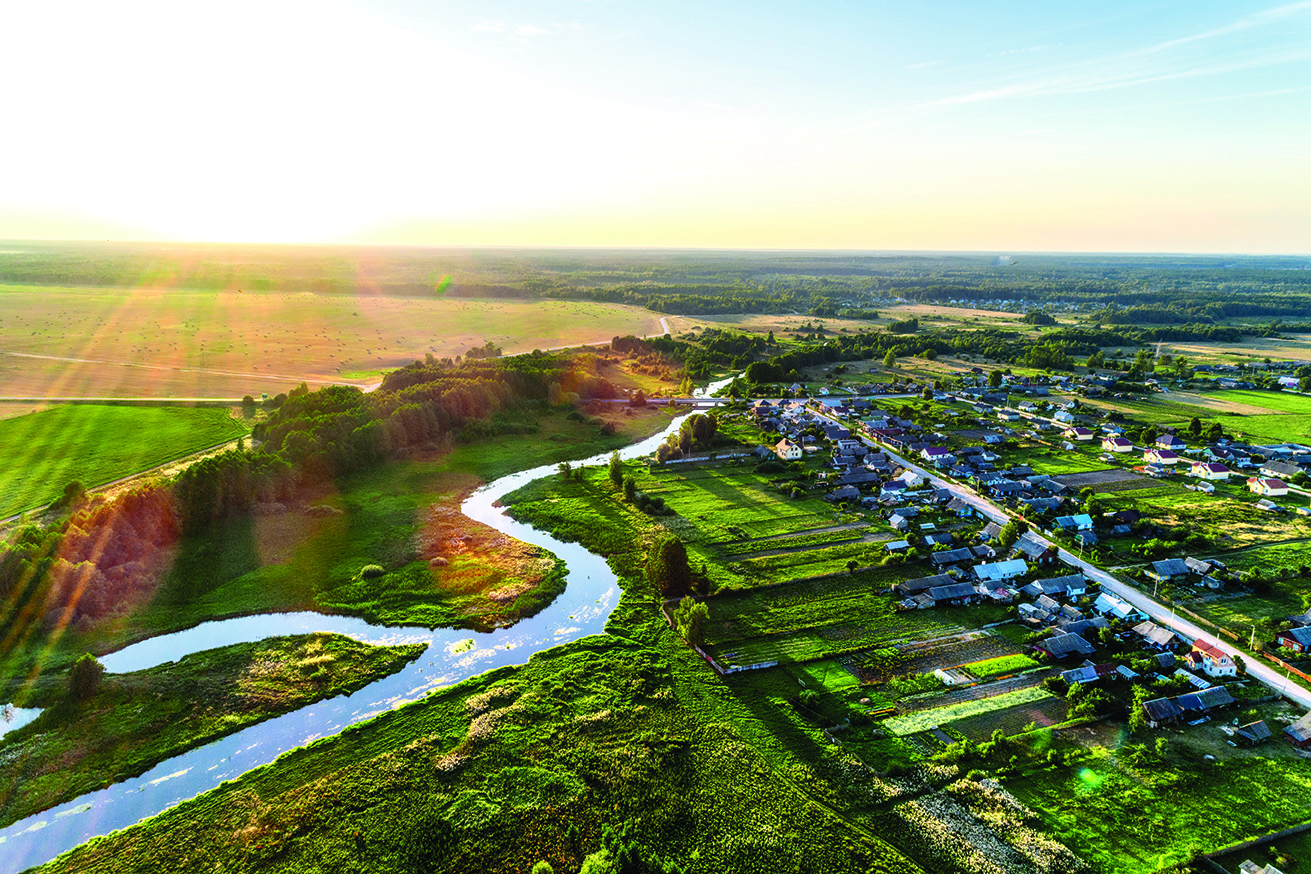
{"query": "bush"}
pixel 84 678
pixel 372 571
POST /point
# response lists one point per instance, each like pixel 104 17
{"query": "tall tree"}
pixel 667 567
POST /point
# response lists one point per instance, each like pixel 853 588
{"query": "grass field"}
pixel 137 720
pixel 1290 419
pixel 161 342
pixel 1129 818
pixel 45 451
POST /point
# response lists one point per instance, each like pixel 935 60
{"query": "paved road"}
pixel 1159 613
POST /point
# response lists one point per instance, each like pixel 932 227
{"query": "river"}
pixel 591 593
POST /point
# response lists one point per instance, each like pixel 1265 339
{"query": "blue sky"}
pixel 1020 126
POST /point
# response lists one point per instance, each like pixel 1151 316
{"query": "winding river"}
pixel 452 655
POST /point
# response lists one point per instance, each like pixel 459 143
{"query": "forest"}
pixel 1178 291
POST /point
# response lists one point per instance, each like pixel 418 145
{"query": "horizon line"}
pixel 660 248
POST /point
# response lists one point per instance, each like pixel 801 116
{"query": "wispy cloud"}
pixel 1160 62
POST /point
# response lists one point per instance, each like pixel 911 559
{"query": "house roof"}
pixel 1206 699
pixel 1155 633
pixel 952 556
pixel 1162 709
pixel 1301 730
pixel 1061 645
pixel 1031 546
pixel 1055 585
pixel 1255 730
pixel 907 587
pixel 1001 569
pixel 955 590
pixel 1170 567
pixel 1301 635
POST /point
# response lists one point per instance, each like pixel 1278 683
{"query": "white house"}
pixel 1169 441
pixel 1117 444
pixel 1001 570
pixel 1268 486
pixel 1080 434
pixel 1161 457
pixel 911 478
pixel 1212 470
pixel 788 451
pixel 1215 661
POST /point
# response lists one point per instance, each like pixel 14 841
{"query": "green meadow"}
pixel 94 445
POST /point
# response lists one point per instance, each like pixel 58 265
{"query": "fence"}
pixel 1210 858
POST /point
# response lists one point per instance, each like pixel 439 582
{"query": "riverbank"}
pixel 136 720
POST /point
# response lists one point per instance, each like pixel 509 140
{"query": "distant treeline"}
pixel 1111 290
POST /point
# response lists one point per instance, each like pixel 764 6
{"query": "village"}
pixel 981 440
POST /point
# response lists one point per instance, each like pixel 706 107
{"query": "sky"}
pixel 1113 126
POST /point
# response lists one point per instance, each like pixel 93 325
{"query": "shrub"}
pixel 84 678
pixel 372 571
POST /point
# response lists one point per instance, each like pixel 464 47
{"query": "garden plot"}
pixel 951 652
pixel 924 720
pixel 1012 720
pixel 960 695
pixel 1100 478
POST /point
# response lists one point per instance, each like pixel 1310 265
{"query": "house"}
pixel 1254 733
pixel 1168 569
pixel 1215 661
pixel 1296 639
pixel 1109 605
pixel 954 593
pixel 959 507
pixel 1070 586
pixel 1079 435
pixel 845 493
pixel 1034 549
pixel 788 451
pixel 1204 701
pixel 1001 570
pixel 951 556
pixel 1209 470
pixel 1171 442
pixel 936 454
pixel 1161 711
pixel 1080 522
pixel 762 452
pixel 1299 733
pixel 895 546
pixel 1268 486
pixel 1084 675
pixel 1268 505
pixel 1117 444
pixel 1163 457
pixel 990 531
pixel 1154 635
pixel 906 588
pixel 899 522
pixel 911 479
pixel 1280 470
pixel 1059 646
pixel 1202 566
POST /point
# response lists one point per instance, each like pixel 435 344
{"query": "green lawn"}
pixel 94 445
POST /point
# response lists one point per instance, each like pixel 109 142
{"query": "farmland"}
pixel 174 342
pixel 45 451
